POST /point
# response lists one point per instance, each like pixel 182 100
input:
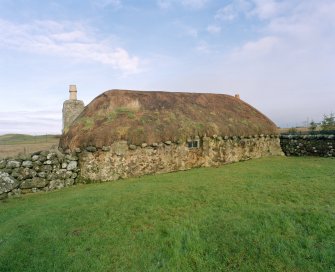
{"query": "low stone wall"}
pixel 122 160
pixel 40 171
pixel 308 145
pixel 49 170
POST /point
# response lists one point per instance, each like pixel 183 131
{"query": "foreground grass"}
pixel 272 214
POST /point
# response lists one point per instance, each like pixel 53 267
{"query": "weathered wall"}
pixel 308 145
pixel 121 160
pixel 49 170
pixel 46 170
pixel 71 110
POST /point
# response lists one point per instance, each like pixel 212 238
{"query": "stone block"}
pixel 105 148
pixel 132 147
pixel 44 153
pixel 7 183
pixel 56 184
pixel 68 174
pixel 69 182
pixel 61 174
pixel 46 168
pixel 3 164
pixel 13 164
pixel 120 148
pixel 28 164
pixel 72 165
pixel 71 157
pixel 15 173
pixel 91 149
pixel 42 158
pixel 35 158
pixel 42 174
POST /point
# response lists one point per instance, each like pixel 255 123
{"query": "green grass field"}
pixel 11 139
pixel 11 145
pixel 270 214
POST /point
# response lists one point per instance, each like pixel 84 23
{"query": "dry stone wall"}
pixel 49 170
pixel 123 160
pixel 40 171
pixel 308 145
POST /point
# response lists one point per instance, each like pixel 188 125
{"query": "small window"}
pixel 193 144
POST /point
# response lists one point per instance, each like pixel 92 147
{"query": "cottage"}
pixel 124 133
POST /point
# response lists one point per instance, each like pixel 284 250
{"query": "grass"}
pixel 270 214
pixel 11 139
pixel 13 144
pixel 120 111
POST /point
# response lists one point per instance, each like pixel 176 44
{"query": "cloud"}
pixel 290 62
pixel 186 30
pixel 266 9
pixel 196 4
pixel 193 4
pixel 32 122
pixel 287 27
pixel 65 39
pixel 227 13
pixel 203 47
pixel 262 9
pixel 214 29
pixel 233 10
pixel 107 3
pixel 164 4
pixel 255 49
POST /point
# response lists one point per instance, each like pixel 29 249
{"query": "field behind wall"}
pixel 12 145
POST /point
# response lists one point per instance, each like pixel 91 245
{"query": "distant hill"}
pixel 10 139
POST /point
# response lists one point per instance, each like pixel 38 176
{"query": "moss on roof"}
pixel 142 116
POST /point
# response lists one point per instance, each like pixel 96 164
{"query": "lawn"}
pixel 270 214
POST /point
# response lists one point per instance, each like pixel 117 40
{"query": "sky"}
pixel 278 55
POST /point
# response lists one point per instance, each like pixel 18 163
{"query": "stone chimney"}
pixel 237 96
pixel 73 92
pixel 72 108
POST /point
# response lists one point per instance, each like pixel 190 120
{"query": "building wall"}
pixel 49 170
pixel 71 110
pixel 122 160
pixel 308 145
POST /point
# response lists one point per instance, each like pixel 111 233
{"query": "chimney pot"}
pixel 73 92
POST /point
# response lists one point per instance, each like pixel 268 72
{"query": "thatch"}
pixel 152 117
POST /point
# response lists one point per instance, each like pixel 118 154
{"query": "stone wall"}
pixel 40 171
pixel 49 170
pixel 308 145
pixel 122 160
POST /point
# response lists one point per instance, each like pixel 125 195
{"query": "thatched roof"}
pixel 149 117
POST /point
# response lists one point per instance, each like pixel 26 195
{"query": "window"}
pixel 193 143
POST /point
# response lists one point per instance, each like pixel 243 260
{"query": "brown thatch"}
pixel 149 117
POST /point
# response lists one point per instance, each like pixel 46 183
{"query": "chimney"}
pixel 73 92
pixel 72 108
pixel 237 96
